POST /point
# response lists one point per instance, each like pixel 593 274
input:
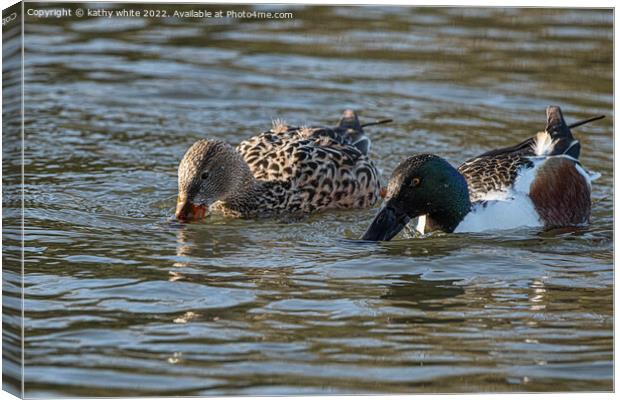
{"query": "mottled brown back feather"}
pixel 492 173
pixel 319 166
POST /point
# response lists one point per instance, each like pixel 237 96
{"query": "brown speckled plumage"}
pixel 287 169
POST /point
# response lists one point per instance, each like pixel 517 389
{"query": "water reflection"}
pixel 414 292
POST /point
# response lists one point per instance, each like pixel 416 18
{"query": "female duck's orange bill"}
pixel 383 192
pixel 186 211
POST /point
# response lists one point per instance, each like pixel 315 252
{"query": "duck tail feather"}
pixel 556 125
pixel 349 120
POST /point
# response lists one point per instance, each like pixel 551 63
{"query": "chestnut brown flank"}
pixel 561 195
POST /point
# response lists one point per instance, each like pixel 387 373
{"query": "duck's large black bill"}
pixel 387 223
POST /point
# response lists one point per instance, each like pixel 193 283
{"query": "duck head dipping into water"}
pixel 287 169
pixel 537 183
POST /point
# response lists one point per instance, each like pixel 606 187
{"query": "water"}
pixel 122 300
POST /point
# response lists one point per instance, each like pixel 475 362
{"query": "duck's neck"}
pixel 451 209
pixel 250 198
pixel 244 203
pixel 447 220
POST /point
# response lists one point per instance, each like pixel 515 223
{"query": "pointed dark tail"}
pixel 585 121
pixel 379 122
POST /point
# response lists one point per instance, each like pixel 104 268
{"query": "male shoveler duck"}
pixel 287 169
pixel 537 183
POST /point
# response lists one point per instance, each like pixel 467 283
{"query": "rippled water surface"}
pixel 122 300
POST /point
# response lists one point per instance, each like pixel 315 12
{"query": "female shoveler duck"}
pixel 284 170
pixel 537 183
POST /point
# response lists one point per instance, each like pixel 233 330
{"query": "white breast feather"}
pixel 493 195
pixel 420 224
pixel 501 215
pixel 510 209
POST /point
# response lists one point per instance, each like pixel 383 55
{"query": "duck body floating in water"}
pixel 537 183
pixel 297 170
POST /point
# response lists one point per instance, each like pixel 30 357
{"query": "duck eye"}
pixel 204 175
pixel 415 182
